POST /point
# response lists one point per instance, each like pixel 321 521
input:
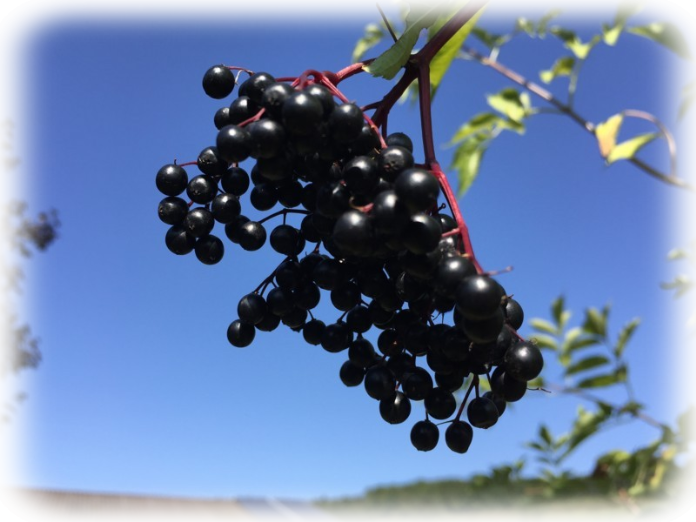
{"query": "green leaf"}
pixel 602 381
pixel 588 363
pixel 545 435
pixel 443 59
pixel 511 103
pixel 562 67
pixel 624 336
pixel 629 148
pixel 483 122
pixel 489 40
pixel 586 424
pixel 557 308
pixel 544 341
pixel 388 64
pixel 595 322
pixel 466 161
pixel 688 95
pixel 542 325
pixel 373 35
pixel 544 22
pixel 525 25
pixel 687 424
pixel 666 34
pixel 611 33
pixel 631 407
pixel 571 40
pixel 681 284
pixel 606 133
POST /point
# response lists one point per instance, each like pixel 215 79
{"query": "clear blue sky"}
pixel 139 391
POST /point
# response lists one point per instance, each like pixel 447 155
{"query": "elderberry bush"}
pixel 360 223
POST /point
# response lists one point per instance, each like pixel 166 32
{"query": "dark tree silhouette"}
pixel 20 236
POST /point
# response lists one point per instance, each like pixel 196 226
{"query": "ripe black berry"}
pixel 523 361
pixel 240 334
pixel 179 241
pixel 171 180
pixel 172 210
pixel 251 235
pixel 458 436
pixel 418 189
pixel 209 250
pixel 395 409
pixel 482 413
pixel 218 82
pixel 424 435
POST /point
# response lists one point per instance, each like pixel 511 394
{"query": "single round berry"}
pixel 313 331
pixel 482 413
pixel 440 403
pixel 269 322
pixel 222 117
pixel 251 235
pixel 302 113
pixel 267 138
pixel 199 222
pixel 252 308
pixel 418 189
pixel 240 334
pixel 233 143
pixel 336 337
pixel 351 374
pixel 209 250
pixel 263 196
pixel 395 409
pixel 424 435
pixel 235 181
pixel 171 180
pixel 451 271
pixel 284 239
pixel 225 208
pixel 392 161
pixel 240 110
pixel 523 361
pixel 211 163
pixel 172 210
pixel 417 384
pixel 380 383
pixel 346 122
pixel 458 436
pixel 499 402
pixel 218 82
pixel 274 96
pixel 400 140
pixel 514 313
pixel 362 353
pixel 421 234
pixel 360 175
pixel 179 241
pixel 478 297
pixel 353 233
pixel 255 85
pixel 233 227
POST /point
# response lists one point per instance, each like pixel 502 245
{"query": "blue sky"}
pixel 139 391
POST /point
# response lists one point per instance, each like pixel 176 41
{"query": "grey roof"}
pixel 35 505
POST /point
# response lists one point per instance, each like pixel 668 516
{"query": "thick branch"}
pixel 534 88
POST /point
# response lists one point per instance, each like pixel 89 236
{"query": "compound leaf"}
pixel 562 67
pixel 388 64
pixel 666 34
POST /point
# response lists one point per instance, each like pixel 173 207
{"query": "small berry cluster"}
pixel 392 259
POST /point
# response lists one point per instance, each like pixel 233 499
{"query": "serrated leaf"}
pixel 601 381
pixel 595 323
pixel 466 161
pixel 688 95
pixel 544 341
pixel 606 133
pixel 372 36
pixel 511 103
pixel 588 363
pixel 542 325
pixel 557 308
pixel 628 149
pixel 624 336
pixel 544 22
pixel 562 67
pixel 482 122
pixel 388 64
pixel 443 59
pixel 687 424
pixel 666 34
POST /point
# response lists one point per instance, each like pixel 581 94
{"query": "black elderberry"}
pixel 523 361
pixel 302 113
pixel 417 384
pixel 235 181
pixel 251 235
pixel 450 272
pixel 263 196
pixel 209 250
pixel 458 436
pixel 269 322
pixel 359 319
pixel 199 222
pixel 280 301
pixel 482 413
pixel 380 383
pixel 351 374
pixel 267 138
pixel 274 96
pixel 345 296
pixel 218 82
pixel 313 331
pixel 346 122
pixel 440 403
pixel 179 241
pixel 485 330
pixel 353 233
pixel 222 117
pixel 172 210
pixel 284 239
pixel 225 208
pixel 362 353
pixel 201 189
pixel 233 227
pixel 240 334
pixel 289 193
pixel 478 297
pixel 514 313
pixel 401 140
pixel 421 233
pixel 233 143
pixel 360 175
pixel 395 409
pixel 171 180
pixel 424 435
pixel 418 189
pixel 499 402
pixel 324 96
pixel 256 84
pixel 506 387
pixel 252 308
pixel 336 337
pixel 307 296
pixel 241 109
pixel 211 163
pixel 392 161
pixel 295 318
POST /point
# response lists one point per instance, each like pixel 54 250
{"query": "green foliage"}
pixel 390 62
pixel 373 35
pixel 562 67
pixel 665 34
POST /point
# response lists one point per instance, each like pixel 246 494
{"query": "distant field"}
pixel 572 511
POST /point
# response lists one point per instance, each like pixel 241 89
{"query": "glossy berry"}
pixel 395 409
pixel 263 196
pixel 440 403
pixel 179 241
pixel 482 413
pixel 251 235
pixel 418 189
pixel 267 138
pixel 499 402
pixel 209 250
pixel 421 234
pixel 235 181
pixel 302 113
pixel 353 233
pixel 211 163
pixel 458 436
pixel 362 353
pixel 346 122
pixel 514 313
pixel 351 374
pixel 424 435
pixel 199 222
pixel 400 139
pixel 451 271
pixel 240 110
pixel 478 297
pixel 285 239
pixel 313 331
pixel 172 210
pixel 392 161
pixel 417 384
pixel 523 361
pixel 233 143
pixel 225 208
pixel 252 308
pixel 171 180
pixel 218 82
pixel 380 383
pixel 240 334
pixel 274 96
pixel 255 85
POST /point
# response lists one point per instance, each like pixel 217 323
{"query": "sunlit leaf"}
pixel 588 363
pixel 687 424
pixel 388 64
pixel 544 341
pixel 373 35
pixel 525 25
pixel 595 322
pixel 562 67
pixel 443 59
pixel 666 34
pixel 544 22
pixel 545 435
pixel 612 32
pixel 481 122
pixel 542 325
pixel 688 95
pixel 466 161
pixel 571 40
pixel 511 103
pixel 489 40
pixel 606 133
pixel 557 308
pixel 602 381
pixel 624 336
pixel 629 148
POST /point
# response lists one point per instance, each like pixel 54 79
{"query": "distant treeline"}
pixel 427 500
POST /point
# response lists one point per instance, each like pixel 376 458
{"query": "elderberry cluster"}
pixel 372 234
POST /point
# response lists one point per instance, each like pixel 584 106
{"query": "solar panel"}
pixel 273 510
